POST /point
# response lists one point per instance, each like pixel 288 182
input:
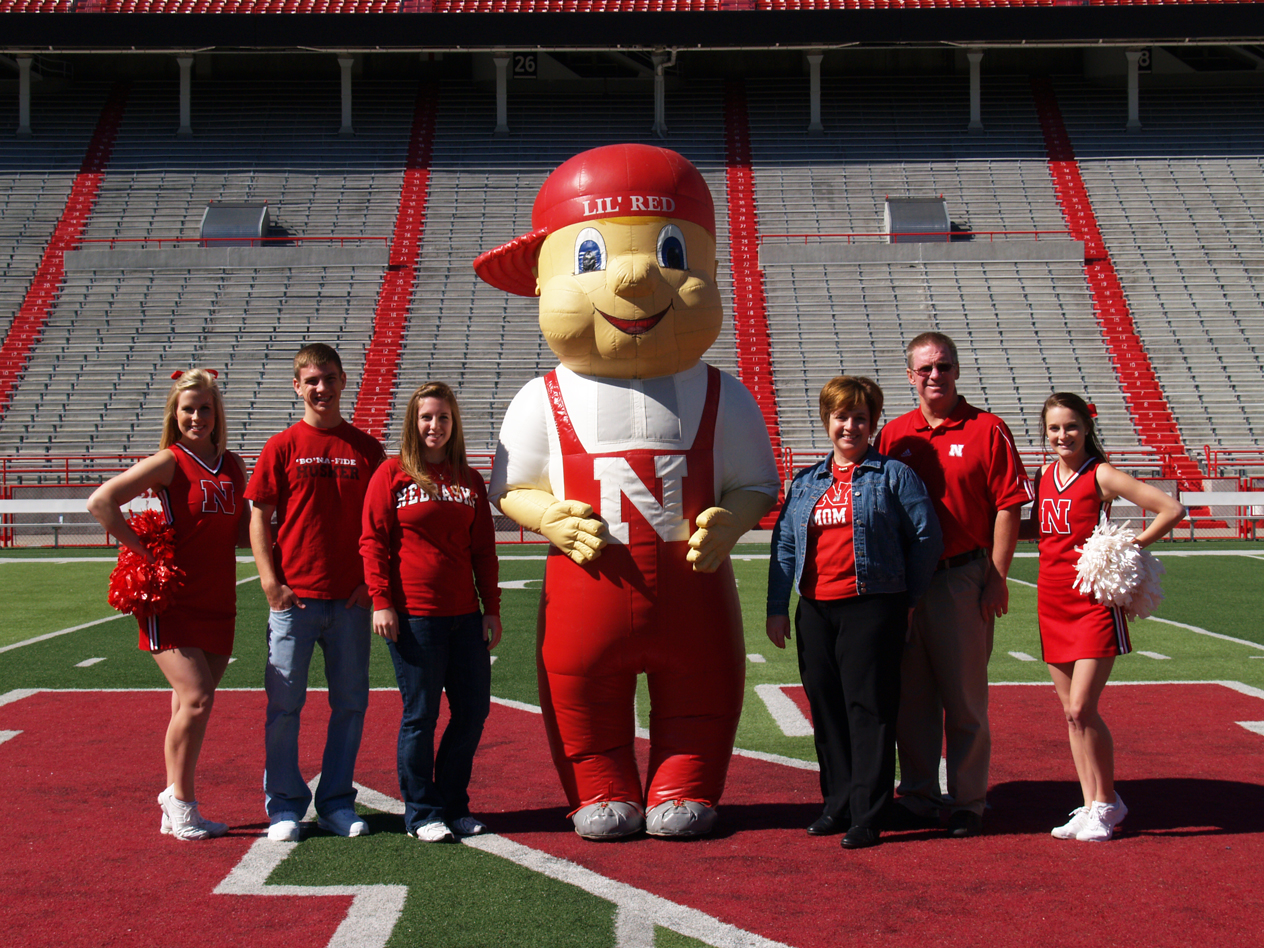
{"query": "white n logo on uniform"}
pixel 618 480
pixel 1055 516
pixel 956 450
pixel 218 497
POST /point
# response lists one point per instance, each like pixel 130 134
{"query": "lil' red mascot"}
pixel 643 466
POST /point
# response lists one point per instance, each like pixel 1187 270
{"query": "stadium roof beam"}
pixel 1203 24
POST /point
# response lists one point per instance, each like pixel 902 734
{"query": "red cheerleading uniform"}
pixel 203 504
pixel 429 556
pixel 640 607
pixel 1072 625
pixel 829 569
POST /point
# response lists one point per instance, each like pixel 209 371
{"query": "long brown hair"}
pixel 412 456
pixel 1092 442
pixel 197 380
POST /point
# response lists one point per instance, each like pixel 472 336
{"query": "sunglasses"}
pixel 944 368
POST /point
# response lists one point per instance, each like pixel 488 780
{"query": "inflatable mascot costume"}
pixel 642 465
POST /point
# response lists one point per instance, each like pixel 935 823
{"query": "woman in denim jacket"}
pixel 859 539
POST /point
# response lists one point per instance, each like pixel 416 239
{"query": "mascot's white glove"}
pixel 719 528
pixel 568 524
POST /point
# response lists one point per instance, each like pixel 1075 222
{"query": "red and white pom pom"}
pixel 137 586
pixel 1116 572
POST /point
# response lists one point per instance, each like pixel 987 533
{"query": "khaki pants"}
pixel 944 692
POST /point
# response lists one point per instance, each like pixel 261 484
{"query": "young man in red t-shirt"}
pixel 313 476
pixel 966 458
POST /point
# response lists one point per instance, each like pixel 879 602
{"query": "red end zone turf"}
pixel 83 863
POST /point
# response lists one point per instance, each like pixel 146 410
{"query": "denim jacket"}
pixel 895 533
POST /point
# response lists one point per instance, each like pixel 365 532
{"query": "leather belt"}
pixel 961 559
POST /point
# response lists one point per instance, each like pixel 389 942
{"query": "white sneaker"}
pixel 344 823
pixel 165 826
pixel 1069 830
pixel 468 826
pixel 436 832
pixel 185 821
pixel 1102 820
pixel 284 829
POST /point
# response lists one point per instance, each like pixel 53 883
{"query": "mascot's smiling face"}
pixel 629 297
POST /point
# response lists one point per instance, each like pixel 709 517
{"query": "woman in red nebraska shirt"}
pixel 429 556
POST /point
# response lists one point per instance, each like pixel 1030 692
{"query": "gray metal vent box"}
pixel 917 221
pixel 234 224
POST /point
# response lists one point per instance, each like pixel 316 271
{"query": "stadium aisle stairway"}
pixel 750 310
pixel 24 332
pixel 1152 417
pixel 381 359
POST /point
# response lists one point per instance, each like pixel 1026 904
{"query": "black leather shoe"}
pixel 829 825
pixel 896 816
pixel 859 837
pixel 964 823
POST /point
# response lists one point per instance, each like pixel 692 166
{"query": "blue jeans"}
pixel 436 654
pixel 344 635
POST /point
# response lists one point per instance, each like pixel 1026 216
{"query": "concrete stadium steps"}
pixel 1176 204
pixel 99 377
pixel 36 175
pixel 276 142
pixel 1022 331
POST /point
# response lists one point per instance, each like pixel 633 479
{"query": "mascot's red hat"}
pixel 611 181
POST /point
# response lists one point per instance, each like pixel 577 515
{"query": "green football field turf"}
pixel 1212 599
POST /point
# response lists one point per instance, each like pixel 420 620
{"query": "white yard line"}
pixel 784 711
pixel 87 625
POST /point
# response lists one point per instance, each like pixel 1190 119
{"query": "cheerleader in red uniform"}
pixel 1079 636
pixel 199 485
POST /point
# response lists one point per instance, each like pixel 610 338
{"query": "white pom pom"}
pixel 1116 572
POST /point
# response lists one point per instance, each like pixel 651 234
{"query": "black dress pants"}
pixel 849 660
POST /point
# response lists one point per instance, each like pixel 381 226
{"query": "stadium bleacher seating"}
pixel 1176 223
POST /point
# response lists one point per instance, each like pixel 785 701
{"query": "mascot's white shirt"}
pixel 613 415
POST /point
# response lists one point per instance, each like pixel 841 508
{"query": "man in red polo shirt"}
pixel 974 476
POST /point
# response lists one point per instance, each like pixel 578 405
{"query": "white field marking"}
pixel 521 583
pixel 756 658
pixel 1214 635
pixel 87 625
pixel 8 735
pixel 17 694
pixel 777 759
pixel 232 659
pixel 1022 656
pixel 636 911
pixel 493 659
pixel 1255 727
pixel 374 909
pixel 1157 656
pixel 370 919
pixel 88 662
pixel 786 713
pixel 1179 625
pixel 53 635
pixel 507 702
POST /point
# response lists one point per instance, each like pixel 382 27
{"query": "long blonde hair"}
pixel 198 380
pixel 412 456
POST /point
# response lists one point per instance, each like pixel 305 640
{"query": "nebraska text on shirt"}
pixel 412 494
